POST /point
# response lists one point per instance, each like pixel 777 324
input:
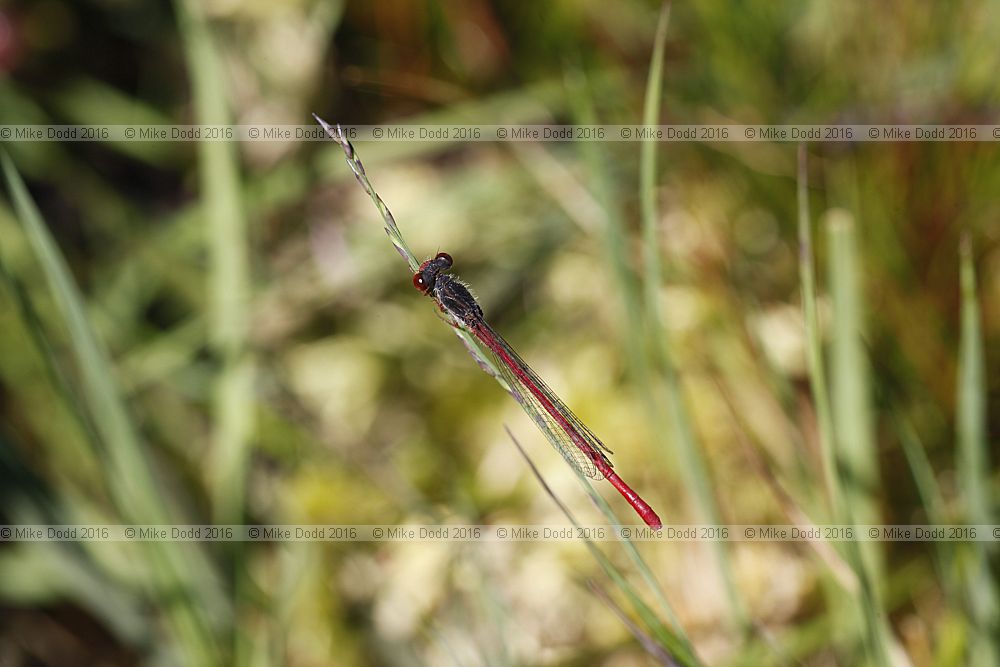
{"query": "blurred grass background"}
pixel 221 332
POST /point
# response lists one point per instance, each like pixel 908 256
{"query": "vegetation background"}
pixel 220 332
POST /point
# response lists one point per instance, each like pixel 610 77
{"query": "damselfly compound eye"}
pixel 444 257
pixel 419 282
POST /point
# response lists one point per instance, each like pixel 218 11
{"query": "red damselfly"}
pixel 570 436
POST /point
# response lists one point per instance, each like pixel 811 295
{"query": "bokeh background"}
pixel 237 341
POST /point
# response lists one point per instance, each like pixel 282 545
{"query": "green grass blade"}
pixel 229 246
pixel 814 342
pixel 853 427
pixel 633 553
pixel 129 477
pixel 973 455
pixel 92 102
pixel 933 501
pixel 597 160
pixel 647 643
pixel 973 468
pixel 923 472
pixel 230 296
pixel 134 489
pixel 676 643
pixel 610 210
pixel 851 394
pixel 694 469
pixel 57 376
pixel 647 170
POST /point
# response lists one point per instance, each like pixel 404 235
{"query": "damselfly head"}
pixel 424 279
